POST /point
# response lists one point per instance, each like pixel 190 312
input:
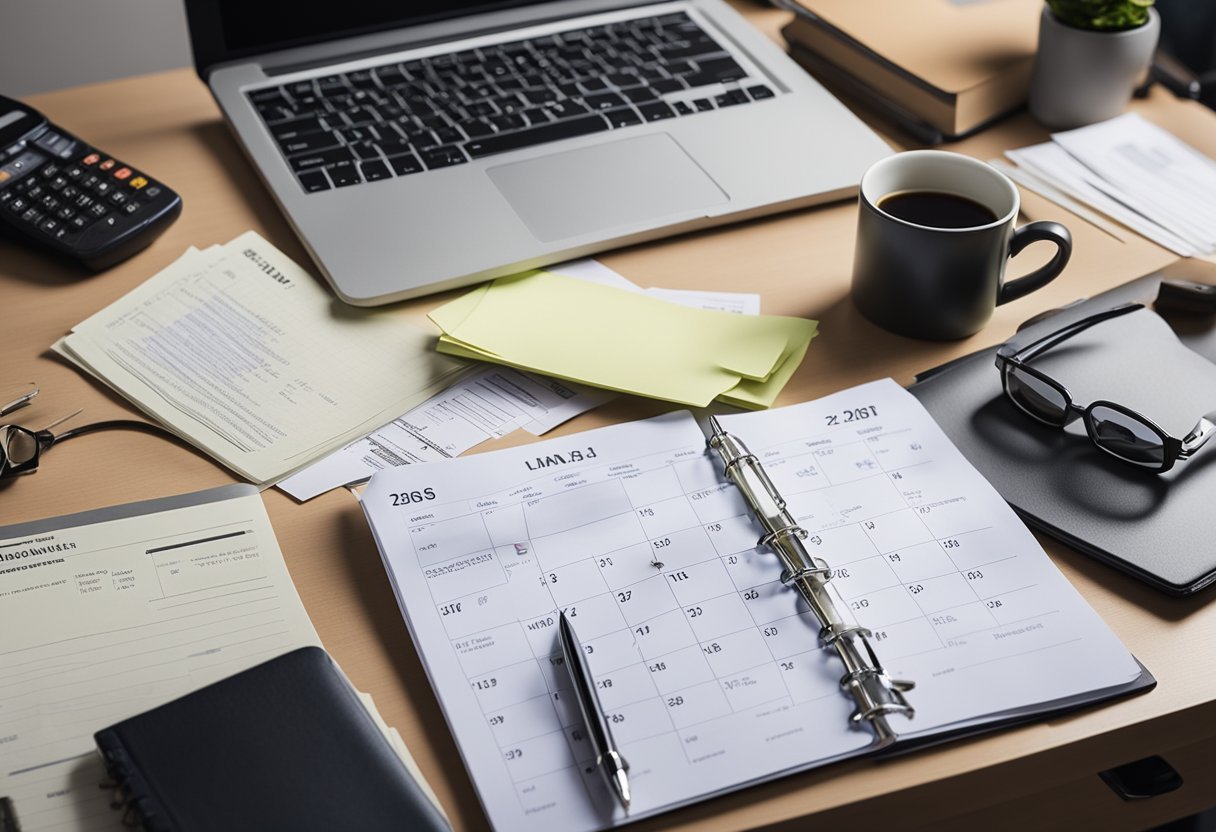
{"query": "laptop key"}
pixel 323 158
pixel 655 111
pixel 716 71
pixel 374 170
pixel 313 181
pixel 639 95
pixel 604 101
pixel 731 98
pixel 443 157
pixel 556 131
pixel 308 142
pixel 405 164
pixel 344 174
pixel 622 117
pixel 760 92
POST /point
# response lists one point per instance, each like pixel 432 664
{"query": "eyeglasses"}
pixel 1120 431
pixel 21 447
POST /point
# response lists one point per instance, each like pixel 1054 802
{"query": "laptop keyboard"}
pixel 411 116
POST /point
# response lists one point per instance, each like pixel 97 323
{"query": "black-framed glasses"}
pixel 21 448
pixel 1120 431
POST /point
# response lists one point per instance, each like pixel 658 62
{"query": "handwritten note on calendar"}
pixel 709 669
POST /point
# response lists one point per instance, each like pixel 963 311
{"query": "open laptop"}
pixel 419 146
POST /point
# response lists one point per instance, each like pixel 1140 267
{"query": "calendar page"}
pixel 708 668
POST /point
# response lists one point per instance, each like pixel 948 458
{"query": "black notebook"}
pixel 284 745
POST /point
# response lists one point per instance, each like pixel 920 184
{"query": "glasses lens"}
pixel 20 445
pixel 1127 437
pixel 1035 396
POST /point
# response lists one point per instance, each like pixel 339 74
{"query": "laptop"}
pixel 421 146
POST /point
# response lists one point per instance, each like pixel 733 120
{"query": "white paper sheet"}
pixel 106 620
pixel 242 353
pixel 708 667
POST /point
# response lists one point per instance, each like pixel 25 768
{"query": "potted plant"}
pixel 1092 54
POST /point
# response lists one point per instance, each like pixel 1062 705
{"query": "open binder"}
pixel 733 604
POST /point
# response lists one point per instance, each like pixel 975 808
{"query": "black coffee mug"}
pixel 925 280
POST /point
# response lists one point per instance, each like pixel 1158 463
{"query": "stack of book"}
pixel 942 69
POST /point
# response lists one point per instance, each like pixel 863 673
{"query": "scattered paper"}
pixel 242 353
pixel 597 335
pixel 490 404
pixel 1134 172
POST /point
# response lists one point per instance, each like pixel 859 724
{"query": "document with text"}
pixel 709 669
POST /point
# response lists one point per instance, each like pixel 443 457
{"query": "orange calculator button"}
pixel 138 182
pixel 107 164
pixel 122 173
pixel 91 159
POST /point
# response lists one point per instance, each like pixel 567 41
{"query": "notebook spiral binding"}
pixel 128 788
pixel 875 694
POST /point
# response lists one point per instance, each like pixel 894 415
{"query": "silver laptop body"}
pixel 402 236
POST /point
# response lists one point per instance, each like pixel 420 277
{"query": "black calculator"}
pixel 60 193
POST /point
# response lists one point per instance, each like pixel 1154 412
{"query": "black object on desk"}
pixel 284 745
pixel 60 193
pixel 1159 528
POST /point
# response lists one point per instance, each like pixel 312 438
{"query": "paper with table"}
pixel 1131 171
pixel 619 340
pixel 242 353
pixel 489 404
pixel 708 667
pixel 116 611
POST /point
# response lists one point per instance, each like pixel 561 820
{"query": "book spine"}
pixel 131 793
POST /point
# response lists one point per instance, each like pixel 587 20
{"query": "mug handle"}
pixel 1033 233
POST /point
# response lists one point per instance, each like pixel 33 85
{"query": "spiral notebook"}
pixel 685 568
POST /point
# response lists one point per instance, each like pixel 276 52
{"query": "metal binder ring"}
pixel 787 531
pixel 820 568
pixel 829 635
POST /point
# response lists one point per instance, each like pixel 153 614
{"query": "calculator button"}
pixel 74 172
pixel 49 170
pixel 102 188
pixel 118 198
pixel 49 202
pixel 84 201
pixel 59 183
pixel 91 159
pixel 18 205
pixel 107 164
pixel 32 216
pixel 130 208
pixel 69 192
pixel 80 222
pixel 65 213
pixel 89 181
pixel 33 190
pixel 99 210
pixel 138 182
pixel 49 225
pixel 154 191
pixel 6 195
pixel 122 173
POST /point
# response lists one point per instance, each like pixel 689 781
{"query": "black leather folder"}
pixel 284 745
pixel 1159 528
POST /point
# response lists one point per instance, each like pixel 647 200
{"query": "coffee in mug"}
pixel 935 231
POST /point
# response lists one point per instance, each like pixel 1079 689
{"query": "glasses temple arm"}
pixel 1199 435
pixel 1048 341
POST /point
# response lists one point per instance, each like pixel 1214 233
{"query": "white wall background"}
pixel 51 44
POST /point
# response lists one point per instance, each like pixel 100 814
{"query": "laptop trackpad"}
pixel 610 185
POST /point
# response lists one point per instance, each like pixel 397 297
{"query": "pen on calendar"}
pixel 607 758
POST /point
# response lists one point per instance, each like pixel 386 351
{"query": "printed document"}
pixel 108 614
pixel 708 667
pixel 242 353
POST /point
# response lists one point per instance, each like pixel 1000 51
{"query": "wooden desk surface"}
pixel 800 262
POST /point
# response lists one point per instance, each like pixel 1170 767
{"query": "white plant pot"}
pixel 1083 76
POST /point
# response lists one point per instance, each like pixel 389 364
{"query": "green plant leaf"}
pixel 1101 15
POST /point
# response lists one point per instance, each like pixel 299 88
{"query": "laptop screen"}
pixel 267 25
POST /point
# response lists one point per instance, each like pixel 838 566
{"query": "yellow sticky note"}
pixel 620 340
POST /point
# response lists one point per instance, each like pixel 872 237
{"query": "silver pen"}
pixel 607 758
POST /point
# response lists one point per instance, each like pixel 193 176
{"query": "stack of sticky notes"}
pixel 625 341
